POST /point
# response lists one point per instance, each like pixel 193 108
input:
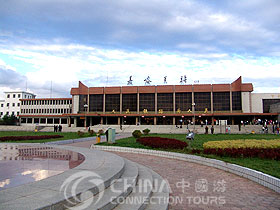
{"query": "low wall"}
pixel 154 128
pixel 266 180
pixel 173 129
pixel 17 128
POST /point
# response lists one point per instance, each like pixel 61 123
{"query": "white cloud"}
pixel 65 64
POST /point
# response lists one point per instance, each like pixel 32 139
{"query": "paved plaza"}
pixel 195 186
pixel 238 192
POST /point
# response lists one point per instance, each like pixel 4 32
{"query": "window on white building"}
pixel 13 104
pixel 18 95
pixel 8 104
pixel 2 105
pixel 17 113
pixel 18 104
pixel 14 95
pixel 8 96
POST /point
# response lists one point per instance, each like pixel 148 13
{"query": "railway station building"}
pixel 171 104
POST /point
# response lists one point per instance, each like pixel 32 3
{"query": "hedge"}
pixel 273 154
pixel 165 143
pixel 21 138
pixel 261 144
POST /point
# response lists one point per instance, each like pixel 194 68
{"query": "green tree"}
pixel 8 120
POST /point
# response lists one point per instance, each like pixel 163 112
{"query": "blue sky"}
pixel 102 43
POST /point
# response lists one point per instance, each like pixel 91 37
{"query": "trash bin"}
pixel 98 137
pixel 111 135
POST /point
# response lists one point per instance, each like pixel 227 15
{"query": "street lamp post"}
pixel 193 105
pixel 85 108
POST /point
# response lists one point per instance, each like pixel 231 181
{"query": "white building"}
pixel 11 104
pixel 45 111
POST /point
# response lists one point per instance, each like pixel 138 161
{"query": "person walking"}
pixel 212 129
pixel 107 135
pixel 206 129
pixel 266 129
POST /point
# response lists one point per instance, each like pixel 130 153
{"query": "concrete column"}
pixel 230 98
pixel 75 122
pixel 59 120
pixel 174 100
pixel 85 122
pixel 119 120
pixel 138 100
pixel 174 120
pixel 120 103
pixel 104 102
pixel 193 99
pixel 212 104
pixel 213 121
pixel 250 102
pixel 136 120
pixel 156 102
pixel 32 122
pixel 88 101
pixel 90 121
pixel 155 120
pixel 69 121
pixel 102 120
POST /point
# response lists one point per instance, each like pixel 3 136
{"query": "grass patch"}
pixel 271 167
pixel 66 136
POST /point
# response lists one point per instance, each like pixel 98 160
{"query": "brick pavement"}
pixel 234 193
pixel 205 187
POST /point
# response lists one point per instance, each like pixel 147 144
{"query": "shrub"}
pixel 262 144
pixel 136 134
pixel 20 138
pixel 91 132
pixel 100 132
pixel 80 133
pixel 8 120
pixel 165 143
pixel 196 151
pixel 146 131
pixel 273 154
pixel 269 149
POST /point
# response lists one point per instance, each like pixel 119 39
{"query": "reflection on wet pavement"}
pixel 21 164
